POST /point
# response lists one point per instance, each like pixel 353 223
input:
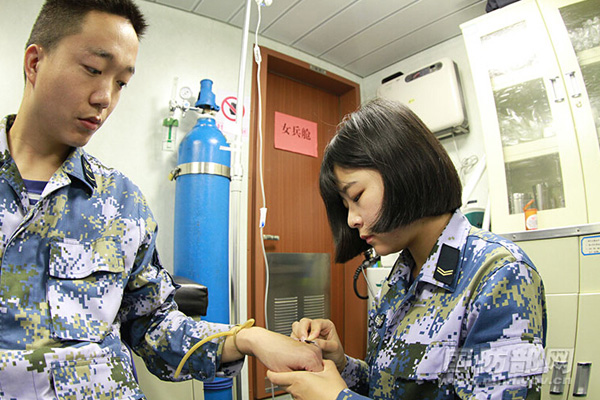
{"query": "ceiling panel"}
pixel 415 42
pixel 304 17
pixel 399 25
pixel 269 14
pixel 348 24
pixel 221 10
pixel 360 36
pixel 186 5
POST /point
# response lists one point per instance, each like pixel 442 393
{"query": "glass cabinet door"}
pixel 529 135
pixel 574 27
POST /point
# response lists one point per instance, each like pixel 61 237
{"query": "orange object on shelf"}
pixel 531 221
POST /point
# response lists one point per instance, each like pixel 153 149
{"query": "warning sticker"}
pixel 229 108
pixel 226 117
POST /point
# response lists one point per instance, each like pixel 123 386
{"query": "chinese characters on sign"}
pixel 295 134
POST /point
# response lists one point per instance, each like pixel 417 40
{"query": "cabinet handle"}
pixel 582 379
pixel 270 237
pixel 574 86
pixel 559 371
pixel 557 98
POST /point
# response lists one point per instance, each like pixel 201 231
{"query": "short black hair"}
pixel 419 177
pixel 60 18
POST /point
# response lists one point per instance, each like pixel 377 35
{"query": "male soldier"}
pixel 80 275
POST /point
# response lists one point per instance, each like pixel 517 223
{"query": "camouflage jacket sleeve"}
pixel 356 375
pixel 503 354
pixel 348 394
pixel 159 333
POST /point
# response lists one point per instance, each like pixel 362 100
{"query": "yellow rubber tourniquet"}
pixel 231 332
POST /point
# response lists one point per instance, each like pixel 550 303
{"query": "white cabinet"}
pixel 536 68
pixel 568 260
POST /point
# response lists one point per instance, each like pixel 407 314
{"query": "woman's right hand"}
pixel 324 334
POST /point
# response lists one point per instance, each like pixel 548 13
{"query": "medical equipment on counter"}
pixel 201 245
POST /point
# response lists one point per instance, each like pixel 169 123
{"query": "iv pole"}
pixel 237 172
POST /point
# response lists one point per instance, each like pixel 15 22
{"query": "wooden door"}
pixel 296 213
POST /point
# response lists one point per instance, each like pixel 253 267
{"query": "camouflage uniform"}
pixel 472 325
pixel 80 269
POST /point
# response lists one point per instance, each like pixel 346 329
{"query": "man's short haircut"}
pixel 60 18
pixel 418 176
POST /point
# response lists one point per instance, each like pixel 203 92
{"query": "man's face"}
pixel 78 83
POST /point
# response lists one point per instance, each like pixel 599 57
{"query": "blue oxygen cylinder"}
pixel 202 217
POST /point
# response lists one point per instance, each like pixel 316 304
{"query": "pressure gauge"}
pixel 186 93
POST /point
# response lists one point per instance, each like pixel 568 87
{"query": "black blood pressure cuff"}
pixel 191 297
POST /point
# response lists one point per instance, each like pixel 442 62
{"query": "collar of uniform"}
pixel 5 125
pixel 453 236
pixel 402 268
pixel 77 166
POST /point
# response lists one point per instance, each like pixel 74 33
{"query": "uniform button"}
pixel 379 320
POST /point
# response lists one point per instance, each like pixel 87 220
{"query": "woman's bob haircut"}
pixel 418 176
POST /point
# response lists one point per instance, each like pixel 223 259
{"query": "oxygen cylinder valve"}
pixel 206 97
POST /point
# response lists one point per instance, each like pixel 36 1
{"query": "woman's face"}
pixel 362 193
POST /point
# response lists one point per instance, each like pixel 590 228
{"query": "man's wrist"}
pixel 244 339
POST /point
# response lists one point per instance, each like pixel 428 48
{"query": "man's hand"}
pixel 277 352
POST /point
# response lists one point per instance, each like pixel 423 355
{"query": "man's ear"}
pixel 33 55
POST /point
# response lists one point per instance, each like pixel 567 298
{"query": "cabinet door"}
pixel 560 345
pixel 586 363
pixel 574 26
pixel 557 261
pixel 585 378
pixel 530 140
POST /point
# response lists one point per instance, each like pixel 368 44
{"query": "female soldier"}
pixel 461 315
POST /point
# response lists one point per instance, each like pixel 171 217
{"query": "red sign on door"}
pixel 295 134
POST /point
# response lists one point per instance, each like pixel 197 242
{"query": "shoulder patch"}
pixel 87 172
pixel 446 265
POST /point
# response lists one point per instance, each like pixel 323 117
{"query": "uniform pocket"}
pixel 98 378
pixel 85 287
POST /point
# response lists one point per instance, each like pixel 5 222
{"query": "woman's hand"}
pixel 324 334
pixel 325 385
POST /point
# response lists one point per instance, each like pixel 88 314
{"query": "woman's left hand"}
pixel 303 385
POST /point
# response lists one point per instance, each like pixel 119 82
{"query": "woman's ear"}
pixel 33 55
